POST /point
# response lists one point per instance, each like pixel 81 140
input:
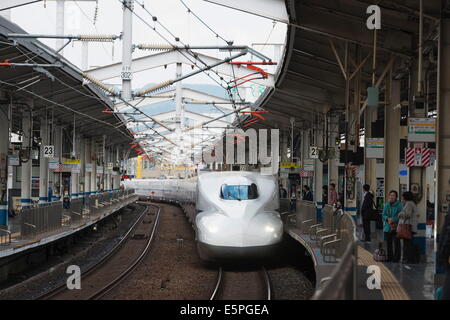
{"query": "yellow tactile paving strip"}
pixel 391 289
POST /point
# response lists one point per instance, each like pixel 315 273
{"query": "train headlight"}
pixel 269 229
pixel 212 229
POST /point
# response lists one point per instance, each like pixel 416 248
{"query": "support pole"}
pixel 392 137
pixel 443 138
pixel 88 167
pixel 4 144
pixel 60 6
pixel 25 184
pixel 43 164
pixel 127 48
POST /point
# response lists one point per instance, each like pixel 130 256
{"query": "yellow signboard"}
pixel 71 161
pixel 289 165
pixel 139 167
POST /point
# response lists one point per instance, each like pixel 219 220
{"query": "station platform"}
pixel 21 242
pixel 415 280
pixel 399 281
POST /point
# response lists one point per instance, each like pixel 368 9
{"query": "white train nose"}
pixel 264 228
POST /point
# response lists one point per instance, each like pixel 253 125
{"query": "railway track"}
pixel 108 272
pixel 252 285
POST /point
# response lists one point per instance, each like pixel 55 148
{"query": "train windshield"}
pixel 245 192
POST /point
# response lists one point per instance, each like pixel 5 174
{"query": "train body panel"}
pixel 236 211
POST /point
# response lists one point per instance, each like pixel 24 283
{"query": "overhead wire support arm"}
pixel 167 83
pixel 85 37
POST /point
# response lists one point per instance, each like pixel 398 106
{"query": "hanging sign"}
pixel 14 160
pixel 99 170
pixel 289 165
pixel 314 152
pixel 89 167
pixel 308 165
pixel 53 163
pixel 418 157
pixel 375 148
pixel 422 130
pixel 49 151
pixel 71 161
pixel 76 168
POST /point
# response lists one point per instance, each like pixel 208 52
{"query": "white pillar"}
pixel 60 23
pixel 74 179
pixel 25 184
pixel 127 48
pixel 88 162
pixel 57 181
pixel 94 167
pixel 333 170
pixel 82 175
pixel 43 164
pixel 318 177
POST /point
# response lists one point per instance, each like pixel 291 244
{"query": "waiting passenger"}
pixel 332 195
pixel 325 194
pixel 293 203
pixel 408 217
pixel 367 208
pixel 307 194
pixel 390 219
pixel 444 256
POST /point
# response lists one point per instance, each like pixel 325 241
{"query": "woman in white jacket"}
pixel 409 215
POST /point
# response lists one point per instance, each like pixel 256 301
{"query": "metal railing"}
pixel 335 237
pixel 342 282
pixel 40 219
pixel 47 218
pixel 5 237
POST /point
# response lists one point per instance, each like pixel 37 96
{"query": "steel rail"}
pixel 54 292
pixel 111 285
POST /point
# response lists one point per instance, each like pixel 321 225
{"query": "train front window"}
pixel 245 192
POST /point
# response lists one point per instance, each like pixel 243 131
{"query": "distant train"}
pixel 236 215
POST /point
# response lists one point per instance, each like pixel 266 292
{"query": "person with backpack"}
pixel 390 222
pixel 367 207
pixel 444 256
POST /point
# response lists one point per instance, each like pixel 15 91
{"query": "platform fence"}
pixel 335 237
pixel 5 237
pixel 40 219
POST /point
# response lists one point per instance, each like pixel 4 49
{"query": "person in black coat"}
pixel 307 194
pixel 366 210
pixel 444 256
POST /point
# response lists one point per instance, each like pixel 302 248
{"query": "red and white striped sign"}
pixel 426 157
pixel 418 157
pixel 306 174
pixel 409 157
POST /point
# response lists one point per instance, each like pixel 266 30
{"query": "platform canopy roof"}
pixel 311 79
pixel 59 89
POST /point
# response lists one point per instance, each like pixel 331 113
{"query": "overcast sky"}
pixel 233 25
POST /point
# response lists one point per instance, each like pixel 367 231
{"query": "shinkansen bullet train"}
pixel 236 214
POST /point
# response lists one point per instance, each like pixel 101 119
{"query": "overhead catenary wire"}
pixel 62 106
pixel 230 95
pixel 155 19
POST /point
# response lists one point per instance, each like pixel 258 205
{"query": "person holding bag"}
pixel 390 222
pixel 407 226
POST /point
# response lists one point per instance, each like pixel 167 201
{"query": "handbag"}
pixel 394 226
pixel 404 231
pixel 379 255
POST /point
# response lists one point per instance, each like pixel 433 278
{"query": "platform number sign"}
pixel 313 152
pixel 49 151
